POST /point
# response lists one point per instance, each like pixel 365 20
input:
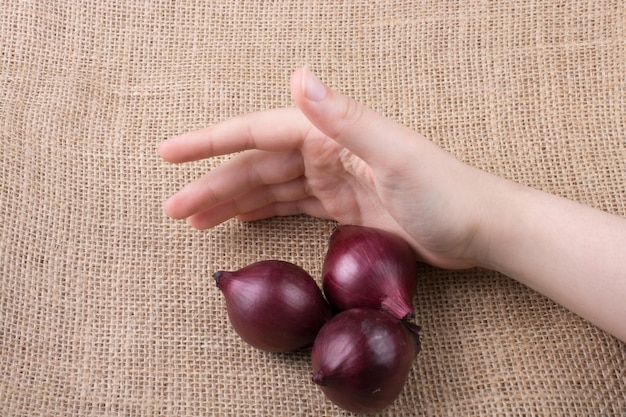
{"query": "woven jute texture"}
pixel 107 306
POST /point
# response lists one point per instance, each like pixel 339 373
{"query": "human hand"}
pixel 333 158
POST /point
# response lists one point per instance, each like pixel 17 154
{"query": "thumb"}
pixel 370 136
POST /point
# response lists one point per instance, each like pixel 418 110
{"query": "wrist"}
pixel 498 221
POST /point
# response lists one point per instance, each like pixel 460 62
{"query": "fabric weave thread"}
pixel 107 307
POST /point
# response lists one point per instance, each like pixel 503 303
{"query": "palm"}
pixel 342 182
pixel 354 193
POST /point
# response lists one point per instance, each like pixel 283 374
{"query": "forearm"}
pixel 573 254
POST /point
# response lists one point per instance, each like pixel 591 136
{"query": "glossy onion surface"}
pixel 361 358
pixel 275 306
pixel 369 267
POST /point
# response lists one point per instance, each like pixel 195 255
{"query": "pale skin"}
pixel 333 158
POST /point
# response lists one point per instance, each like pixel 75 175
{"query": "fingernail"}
pixel 312 87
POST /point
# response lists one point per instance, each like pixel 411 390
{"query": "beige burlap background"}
pixel 107 307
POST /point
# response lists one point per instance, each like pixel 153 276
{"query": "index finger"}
pixel 269 130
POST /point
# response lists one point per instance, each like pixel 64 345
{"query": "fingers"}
pixel 249 201
pixel 270 130
pixel 368 135
pixel 262 202
pixel 242 173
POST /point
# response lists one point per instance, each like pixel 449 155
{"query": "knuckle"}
pixel 352 113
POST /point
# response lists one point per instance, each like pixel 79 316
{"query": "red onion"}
pixel 362 357
pixel 275 306
pixel 369 267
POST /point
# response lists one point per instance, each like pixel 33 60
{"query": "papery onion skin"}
pixel 362 357
pixel 370 267
pixel 275 306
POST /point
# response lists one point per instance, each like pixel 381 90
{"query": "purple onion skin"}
pixel 369 267
pixel 275 306
pixel 362 357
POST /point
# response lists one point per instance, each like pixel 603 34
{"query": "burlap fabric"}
pixel 107 307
